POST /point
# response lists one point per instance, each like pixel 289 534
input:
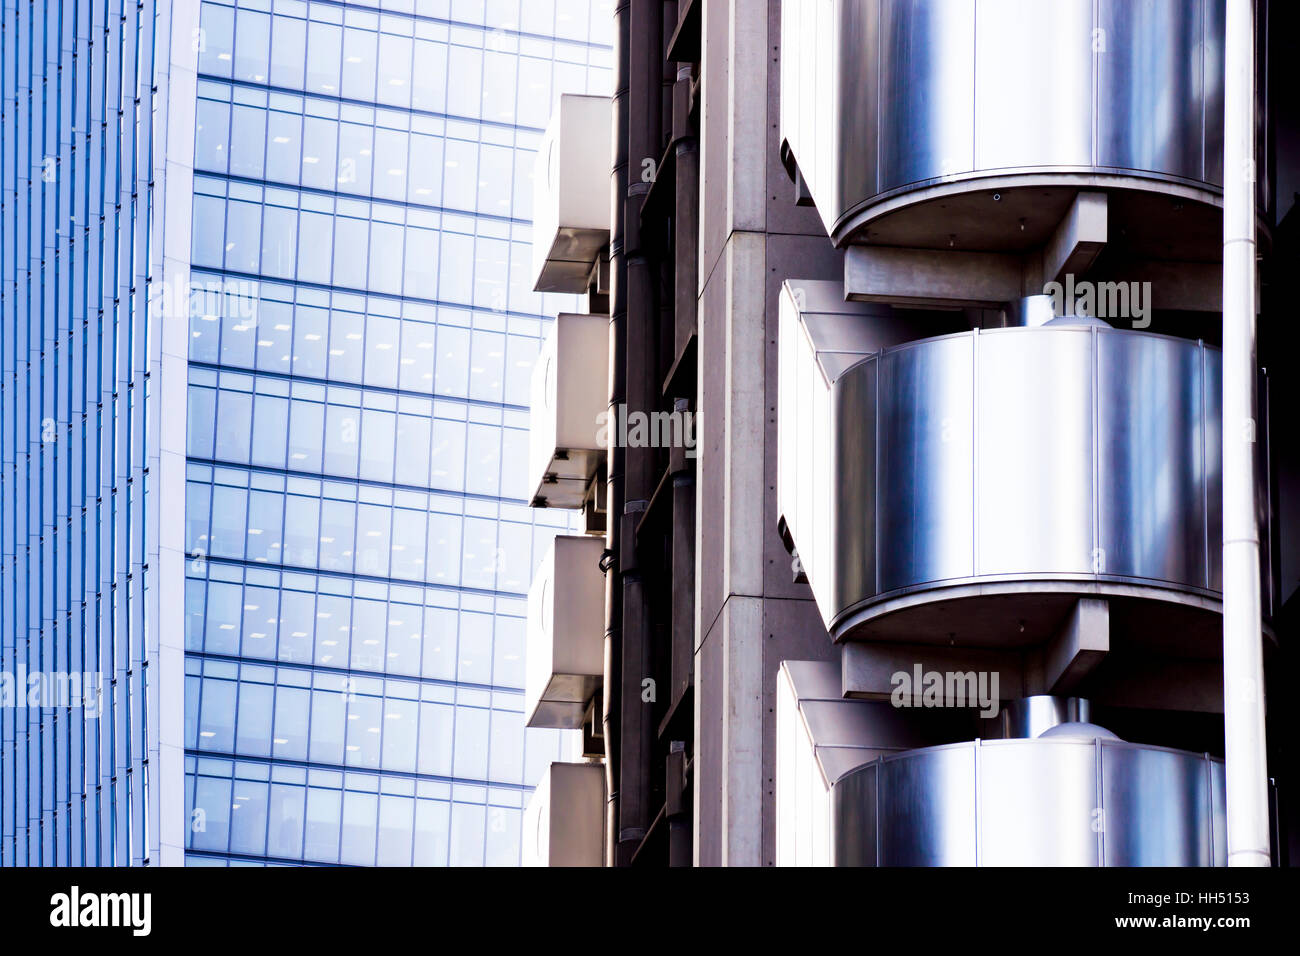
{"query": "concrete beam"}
pixel 930 277
pixel 868 669
pixel 1159 683
pixel 1184 286
pixel 1078 239
pixel 1080 645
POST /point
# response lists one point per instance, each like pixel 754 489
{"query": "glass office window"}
pixel 358 415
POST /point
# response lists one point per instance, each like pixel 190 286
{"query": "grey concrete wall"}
pixel 750 615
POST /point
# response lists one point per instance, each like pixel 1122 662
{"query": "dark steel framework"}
pixel 648 706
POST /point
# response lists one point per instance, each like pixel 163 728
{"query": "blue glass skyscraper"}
pixel 94 230
pixel 267 336
pixel 361 337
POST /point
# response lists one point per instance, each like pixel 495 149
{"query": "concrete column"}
pixel 750 615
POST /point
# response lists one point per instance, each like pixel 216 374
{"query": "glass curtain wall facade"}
pixel 86 749
pixel 361 338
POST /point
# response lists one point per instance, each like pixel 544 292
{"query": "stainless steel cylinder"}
pixel 1070 458
pixel 1031 311
pixel 1030 717
pixel 887 103
pixel 1055 801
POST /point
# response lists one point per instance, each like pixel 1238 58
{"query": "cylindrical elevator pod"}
pixel 1050 488
pixel 956 123
pixel 1050 801
pixel 863 783
pixel 974 485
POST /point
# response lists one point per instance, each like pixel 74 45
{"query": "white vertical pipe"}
pixel 1243 663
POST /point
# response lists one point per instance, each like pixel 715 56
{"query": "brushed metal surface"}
pixel 1049 79
pixel 1036 805
pixel 1151 511
pixel 1034 432
pixel 855 820
pixel 921 789
pixel 927 85
pixel 924 505
pixel 854 515
pixel 1169 793
pixel 1212 404
pixel 1032 716
pixel 1150 87
pixel 881 96
pixel 856 117
pixel 1078 455
pixel 1057 801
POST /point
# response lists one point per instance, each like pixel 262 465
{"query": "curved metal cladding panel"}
pixel 852 505
pixel 887 95
pixel 1150 88
pixel 920 789
pixel 923 508
pixel 1151 507
pixel 1043 802
pixel 821 337
pixel 927 86
pixel 1034 429
pixel 1213 410
pixel 1056 453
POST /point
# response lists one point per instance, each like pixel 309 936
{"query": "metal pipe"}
pixel 682 615
pixel 1031 311
pixel 613 669
pixel 1243 665
pixel 667 76
pixel 686 227
pixel 644 134
pixel 1032 716
pixel 676 809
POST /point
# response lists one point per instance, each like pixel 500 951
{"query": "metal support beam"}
pixel 644 131
pixel 677 808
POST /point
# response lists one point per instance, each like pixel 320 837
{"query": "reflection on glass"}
pixel 361 347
